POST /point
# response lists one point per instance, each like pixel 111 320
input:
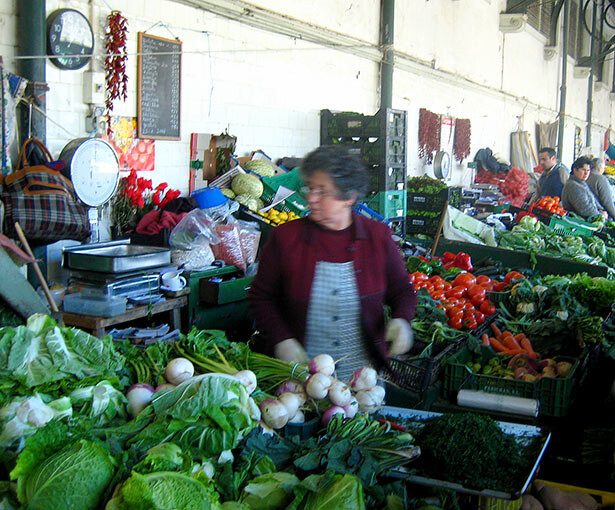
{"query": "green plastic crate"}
pixel 554 394
pixel 290 180
pixel 389 204
pixel 569 226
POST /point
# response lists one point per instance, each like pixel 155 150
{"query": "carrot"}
pixel 497 345
pixel 512 352
pixel 511 343
pixel 527 346
pixel 485 338
pixel 496 330
pixel 520 337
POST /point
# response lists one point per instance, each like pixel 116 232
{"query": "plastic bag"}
pixel 193 230
pixel 229 248
pixel 249 237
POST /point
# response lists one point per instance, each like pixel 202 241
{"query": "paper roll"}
pixel 497 402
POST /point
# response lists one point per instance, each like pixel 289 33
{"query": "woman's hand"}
pixel 290 350
pixel 556 499
pixel 399 333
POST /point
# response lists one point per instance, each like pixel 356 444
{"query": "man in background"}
pixel 553 177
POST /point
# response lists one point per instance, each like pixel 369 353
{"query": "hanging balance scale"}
pixel 442 165
pixel 93 167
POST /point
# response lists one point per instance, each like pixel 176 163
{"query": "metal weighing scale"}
pixel 93 167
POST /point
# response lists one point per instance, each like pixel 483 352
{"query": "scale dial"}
pixel 94 169
pixel 442 165
pixel 70 39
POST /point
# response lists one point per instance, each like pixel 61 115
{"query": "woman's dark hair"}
pixel 345 168
pixel 579 162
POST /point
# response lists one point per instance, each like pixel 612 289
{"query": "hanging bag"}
pixel 41 199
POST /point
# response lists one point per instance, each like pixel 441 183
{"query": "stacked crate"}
pixel 381 141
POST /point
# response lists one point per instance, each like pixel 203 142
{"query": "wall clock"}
pixel 70 40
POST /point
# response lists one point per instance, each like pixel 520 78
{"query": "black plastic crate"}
pixel 431 202
pixel 159 239
pixel 386 178
pixel 373 150
pixel 385 123
pixel 418 373
pixel 422 224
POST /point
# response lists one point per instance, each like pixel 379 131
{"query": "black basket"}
pixel 422 225
pixel 430 202
pixel 417 374
pixel 385 123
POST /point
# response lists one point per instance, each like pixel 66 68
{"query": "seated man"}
pixel 576 195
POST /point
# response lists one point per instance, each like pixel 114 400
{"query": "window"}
pixel 538 13
pixel 575 31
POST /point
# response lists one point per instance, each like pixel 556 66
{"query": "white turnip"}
pixel 138 396
pixel 363 379
pixel 378 392
pixel 339 393
pixel 318 386
pixel 248 379
pixel 352 408
pixel 179 370
pixel 274 413
pixel 322 364
pixel 298 418
pixel 328 414
pixel 291 402
pixel 164 387
pixel 367 401
pixel 293 387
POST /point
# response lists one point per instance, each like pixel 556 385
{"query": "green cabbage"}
pixel 250 202
pixel 74 478
pixel 247 184
pixel 228 192
pixel 271 491
pixel 42 352
pixel 260 167
pixel 165 490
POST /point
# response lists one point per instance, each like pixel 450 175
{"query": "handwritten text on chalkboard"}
pixel 158 91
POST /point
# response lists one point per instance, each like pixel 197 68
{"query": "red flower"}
pixel 156 198
pixel 161 186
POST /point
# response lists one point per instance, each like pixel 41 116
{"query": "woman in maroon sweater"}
pixel 323 280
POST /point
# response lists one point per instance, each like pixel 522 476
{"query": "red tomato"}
pixel 455 292
pixel 455 322
pixel 464 279
pixel 454 311
pixel 487 307
pixel 420 277
pixel 429 287
pixel 477 301
pixel 447 286
pixel 512 276
pixel 483 279
pixel 468 306
pixel 477 291
pixel 480 317
pixel 438 295
pixel 450 303
pixel 499 286
pixel 418 285
pixel 436 279
pixel 487 285
pixel 411 278
pixel 470 323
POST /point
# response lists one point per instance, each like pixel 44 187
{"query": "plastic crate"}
pixel 417 374
pixel 554 394
pixel 389 204
pixel 422 224
pixel 385 123
pixel 543 215
pixel 568 226
pixel 387 177
pixel 291 180
pixel 431 202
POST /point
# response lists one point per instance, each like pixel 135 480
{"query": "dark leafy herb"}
pixel 471 449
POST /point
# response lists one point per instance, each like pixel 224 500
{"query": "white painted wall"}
pixel 268 89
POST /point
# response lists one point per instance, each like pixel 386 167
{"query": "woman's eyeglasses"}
pixel 318 193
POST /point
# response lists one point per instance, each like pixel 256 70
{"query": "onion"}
pixel 318 385
pixel 339 393
pixel 138 396
pixel 328 414
pixel 274 413
pixel 164 387
pixel 322 364
pixel 179 370
pixel 248 379
pixel 298 418
pixel 352 408
pixel 367 401
pixel 291 402
pixel 363 379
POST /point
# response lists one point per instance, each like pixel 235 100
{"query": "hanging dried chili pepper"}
pixel 116 80
pixel 429 134
pixel 463 135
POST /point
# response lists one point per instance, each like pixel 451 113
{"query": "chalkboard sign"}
pixel 158 87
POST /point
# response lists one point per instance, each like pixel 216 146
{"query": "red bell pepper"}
pixel 463 261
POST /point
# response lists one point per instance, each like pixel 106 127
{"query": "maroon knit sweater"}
pixel 280 293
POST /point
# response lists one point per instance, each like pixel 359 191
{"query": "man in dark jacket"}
pixel 554 175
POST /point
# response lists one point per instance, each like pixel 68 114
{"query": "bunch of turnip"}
pixel 368 394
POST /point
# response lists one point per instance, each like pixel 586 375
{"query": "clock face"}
pixel 70 39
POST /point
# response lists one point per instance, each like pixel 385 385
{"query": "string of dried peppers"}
pixel 429 134
pixel 116 80
pixel 461 144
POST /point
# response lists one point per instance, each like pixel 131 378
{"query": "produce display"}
pixel 188 424
pixel 552 205
pixel 276 217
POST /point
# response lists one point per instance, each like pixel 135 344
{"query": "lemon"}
pixel 283 215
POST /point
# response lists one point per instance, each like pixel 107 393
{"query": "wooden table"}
pixel 98 325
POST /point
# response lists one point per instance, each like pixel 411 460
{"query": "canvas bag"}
pixel 42 200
